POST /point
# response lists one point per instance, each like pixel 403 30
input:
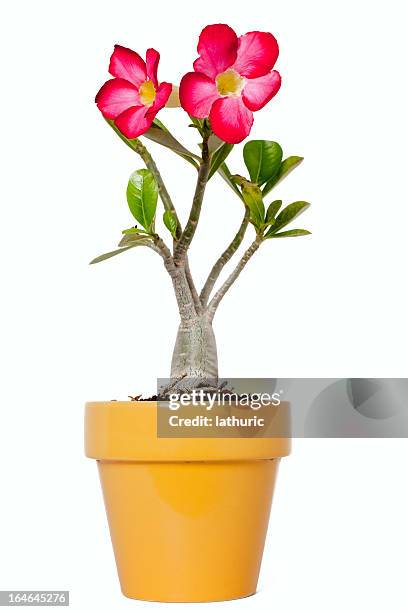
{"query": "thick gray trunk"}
pixel 194 362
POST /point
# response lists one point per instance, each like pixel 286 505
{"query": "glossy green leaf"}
pixel 289 233
pixel 272 211
pixel 286 167
pixel 142 193
pixel 219 157
pixel 262 159
pixel 170 221
pixel 287 215
pixel 253 199
pixel 110 254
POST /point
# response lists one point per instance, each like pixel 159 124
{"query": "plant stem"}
pixel 136 145
pixel 195 354
pixel 164 194
pixel 189 231
pixel 178 276
pixel 186 294
pixel 162 249
pixel 224 259
pixel 194 294
pixel 213 305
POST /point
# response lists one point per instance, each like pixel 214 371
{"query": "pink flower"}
pixel 233 77
pixel 134 97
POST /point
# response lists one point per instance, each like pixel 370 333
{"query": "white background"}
pixel 333 304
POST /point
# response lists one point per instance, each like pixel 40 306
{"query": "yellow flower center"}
pixel 230 83
pixel 147 93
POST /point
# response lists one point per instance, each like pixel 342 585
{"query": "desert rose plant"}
pixel 233 77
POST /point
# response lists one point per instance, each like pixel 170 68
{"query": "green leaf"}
pixel 289 233
pixel 238 179
pixel 214 143
pixel 287 215
pixel 134 240
pixel 272 211
pixel 110 254
pixel 262 159
pixel 170 221
pixel 253 199
pixel 225 173
pixel 286 167
pixel 134 230
pixel 160 124
pixel 142 193
pixel 197 123
pixel 219 157
pixel 160 134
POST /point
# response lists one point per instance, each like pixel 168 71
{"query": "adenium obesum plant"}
pixel 232 78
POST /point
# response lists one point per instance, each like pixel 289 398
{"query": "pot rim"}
pixel 127 431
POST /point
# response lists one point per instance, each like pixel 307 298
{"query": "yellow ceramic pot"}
pixel 187 516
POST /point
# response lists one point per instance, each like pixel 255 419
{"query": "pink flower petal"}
pixel 126 64
pixel 231 120
pixel 257 54
pixel 162 95
pixel 217 47
pixel 152 62
pixel 115 96
pixel 258 92
pixel 134 121
pixel 197 94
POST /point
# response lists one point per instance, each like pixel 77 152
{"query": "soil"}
pixel 139 398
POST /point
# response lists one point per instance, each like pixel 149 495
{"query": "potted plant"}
pixel 188 516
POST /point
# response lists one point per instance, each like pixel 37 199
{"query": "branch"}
pixel 224 259
pixel 162 249
pixel 213 305
pixel 186 294
pixel 163 193
pixel 194 294
pixel 136 145
pixel 182 289
pixel 189 231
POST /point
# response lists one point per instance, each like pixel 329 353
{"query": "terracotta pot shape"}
pixel 187 516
